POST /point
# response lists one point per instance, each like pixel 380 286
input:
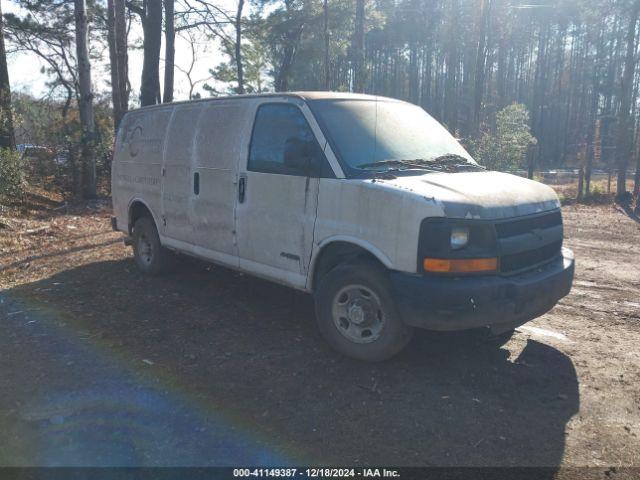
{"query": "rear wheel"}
pixel 150 256
pixel 356 313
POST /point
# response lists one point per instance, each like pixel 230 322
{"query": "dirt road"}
pixel 101 366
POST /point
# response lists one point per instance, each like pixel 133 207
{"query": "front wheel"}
pixel 150 256
pixel 357 315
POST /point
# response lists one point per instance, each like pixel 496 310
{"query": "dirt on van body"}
pixel 102 366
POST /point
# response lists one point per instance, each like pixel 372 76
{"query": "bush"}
pixel 11 173
pixel 506 148
pixel 596 191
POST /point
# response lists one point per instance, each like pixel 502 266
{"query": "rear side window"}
pixel 283 143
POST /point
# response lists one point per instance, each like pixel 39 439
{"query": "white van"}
pixel 366 202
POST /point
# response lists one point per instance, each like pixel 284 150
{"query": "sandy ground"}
pixel 101 366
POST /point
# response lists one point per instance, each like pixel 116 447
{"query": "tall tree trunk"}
pixel 170 50
pixel 623 145
pixel 7 139
pixel 452 62
pixel 539 83
pixel 414 80
pixel 85 101
pixel 358 49
pixel 292 40
pixel 152 29
pixel 636 176
pixel 240 72
pixel 592 128
pixel 113 63
pixel 480 65
pixel 414 26
pixel 327 72
pixel 122 57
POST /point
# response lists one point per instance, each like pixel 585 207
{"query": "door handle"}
pixel 242 186
pixel 196 183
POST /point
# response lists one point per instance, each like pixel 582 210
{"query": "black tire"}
pixel 150 256
pixel 391 334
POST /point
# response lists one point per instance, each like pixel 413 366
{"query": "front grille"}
pixel 520 261
pixel 526 225
pixel 530 241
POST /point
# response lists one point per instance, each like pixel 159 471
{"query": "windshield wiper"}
pixel 395 163
pixel 455 160
pixel 449 162
pixel 445 159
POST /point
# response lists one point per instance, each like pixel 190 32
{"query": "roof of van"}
pixel 310 95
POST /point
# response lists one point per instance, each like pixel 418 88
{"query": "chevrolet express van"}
pixel 365 202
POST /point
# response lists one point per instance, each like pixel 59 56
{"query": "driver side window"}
pixel 283 143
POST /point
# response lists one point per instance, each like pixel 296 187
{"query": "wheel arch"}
pixel 336 250
pixel 138 208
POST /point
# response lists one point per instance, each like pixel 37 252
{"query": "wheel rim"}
pixel 358 314
pixel 145 249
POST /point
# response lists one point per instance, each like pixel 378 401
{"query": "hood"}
pixel 487 195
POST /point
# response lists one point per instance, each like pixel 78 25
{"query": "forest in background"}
pixel 518 82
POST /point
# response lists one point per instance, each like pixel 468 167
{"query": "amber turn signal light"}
pixel 462 265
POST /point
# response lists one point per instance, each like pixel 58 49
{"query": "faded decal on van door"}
pixel 137 162
pixel 138 143
pixel 138 179
pixel 134 141
pixel 143 136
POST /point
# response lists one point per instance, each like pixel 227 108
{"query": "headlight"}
pixel 456 239
pixel 459 237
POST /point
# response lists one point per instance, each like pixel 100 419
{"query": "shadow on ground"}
pixel 632 213
pixel 207 366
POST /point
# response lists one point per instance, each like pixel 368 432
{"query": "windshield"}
pixel 364 132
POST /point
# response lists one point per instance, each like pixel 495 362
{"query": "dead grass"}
pixel 42 226
pixel 600 193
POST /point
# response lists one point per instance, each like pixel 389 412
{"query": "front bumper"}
pixel 502 302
